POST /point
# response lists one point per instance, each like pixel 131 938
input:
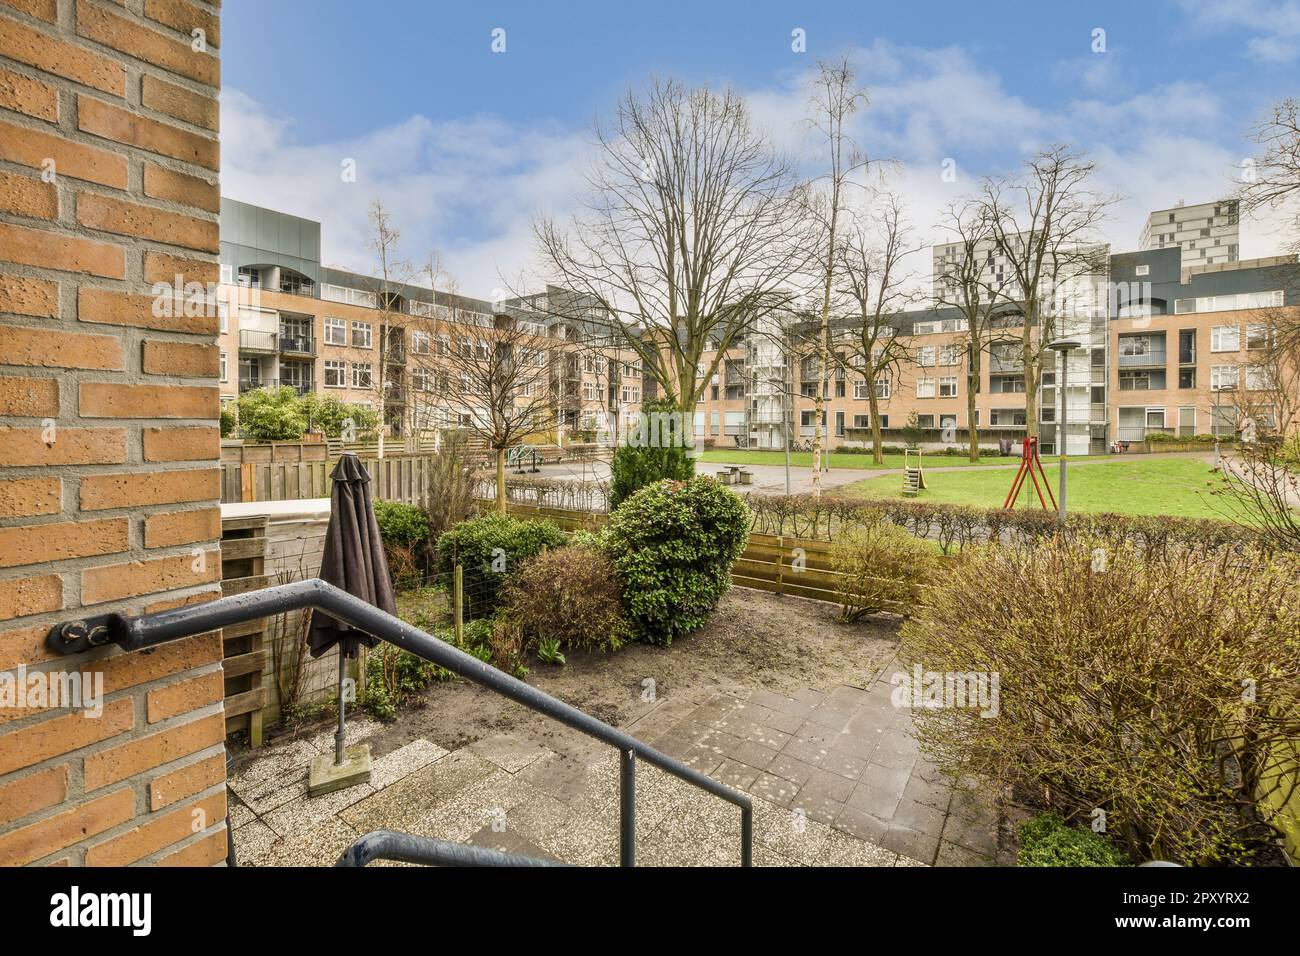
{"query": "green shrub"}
pixel 881 568
pixel 1047 840
pixel 490 549
pixel 672 545
pixel 646 459
pixel 1163 689
pixel 228 421
pixel 393 675
pixel 329 414
pixel 569 595
pixel 271 414
pixel 405 532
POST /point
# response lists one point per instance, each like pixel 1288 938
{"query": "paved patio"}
pixel 835 776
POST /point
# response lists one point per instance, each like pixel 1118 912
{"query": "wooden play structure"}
pixel 1032 466
pixel 913 475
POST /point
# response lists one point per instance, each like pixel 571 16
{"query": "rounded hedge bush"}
pixel 570 595
pixel 490 549
pixel 673 544
pixel 1047 840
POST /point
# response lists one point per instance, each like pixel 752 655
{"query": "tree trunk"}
pixel 1032 377
pixel 877 454
pixel 972 380
pixel 501 481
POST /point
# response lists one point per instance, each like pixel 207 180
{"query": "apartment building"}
pixel 1163 348
pixel 287 320
pixel 1205 234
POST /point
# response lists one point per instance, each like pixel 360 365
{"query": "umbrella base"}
pixel 326 776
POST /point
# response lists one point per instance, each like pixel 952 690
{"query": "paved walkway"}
pixel 835 776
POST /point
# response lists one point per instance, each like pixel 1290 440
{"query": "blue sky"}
pixel 467 144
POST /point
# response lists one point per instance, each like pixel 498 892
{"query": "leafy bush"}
pixel 1047 840
pixel 648 458
pixel 1163 690
pixel 958 527
pixel 329 414
pixel 393 675
pixel 672 545
pixel 881 567
pixel 451 485
pixel 489 549
pixel 271 414
pixel 405 532
pixel 569 595
pixel 228 421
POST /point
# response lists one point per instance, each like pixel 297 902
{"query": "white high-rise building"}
pixel 1206 233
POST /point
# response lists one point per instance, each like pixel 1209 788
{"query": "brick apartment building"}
pixel 109 445
pixel 1178 355
pixel 286 320
pixel 1153 360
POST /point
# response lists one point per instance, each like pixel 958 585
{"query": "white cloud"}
pixel 1275 27
pixel 469 187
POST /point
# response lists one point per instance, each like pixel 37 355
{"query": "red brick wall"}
pixel 108 433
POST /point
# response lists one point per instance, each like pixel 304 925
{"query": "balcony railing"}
pixel 255 340
pixel 297 344
pixel 301 386
pixel 1140 432
pixel 249 384
pixel 1145 360
pixel 1006 365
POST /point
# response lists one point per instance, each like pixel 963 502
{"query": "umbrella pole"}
pixel 338 734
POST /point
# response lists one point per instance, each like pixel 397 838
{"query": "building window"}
pixel 1258 336
pixel 361 374
pixel 249 277
pixel 883 387
pixel 223 366
pixel 336 332
pixel 362 333
pixel 1258 378
pixel 948 386
pixel 925 388
pixel 1142 270
pixel 925 356
pixel 223 316
pixel 861 421
pixel 589 391
pixel 227 274
pixel 420 379
pixel 949 354
pixel 420 343
pixel 1000 384
pixel 925 421
pixel 1223 376
pixel 1004 417
pixel 444 343
pixel 839 424
pixel 1187 378
pixel 632 395
pixel 335 374
pixel 1141 380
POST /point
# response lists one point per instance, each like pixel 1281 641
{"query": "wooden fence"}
pixel 779 564
pixel 403 478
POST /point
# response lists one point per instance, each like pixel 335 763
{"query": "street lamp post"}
pixel 1063 347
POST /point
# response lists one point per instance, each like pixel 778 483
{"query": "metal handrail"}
pixel 409 848
pixel 132 633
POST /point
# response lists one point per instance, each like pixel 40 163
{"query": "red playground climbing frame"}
pixel 1031 465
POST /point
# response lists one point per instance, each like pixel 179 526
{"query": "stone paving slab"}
pixel 834 774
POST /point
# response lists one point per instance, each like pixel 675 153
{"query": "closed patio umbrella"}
pixel 353 560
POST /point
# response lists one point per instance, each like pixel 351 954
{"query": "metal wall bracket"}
pixel 74 637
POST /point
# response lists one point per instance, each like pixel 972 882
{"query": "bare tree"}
pixel 874 280
pixel 685 235
pixel 491 375
pixel 393 272
pixel 1042 227
pixel 966 286
pixel 1272 179
pixel 835 98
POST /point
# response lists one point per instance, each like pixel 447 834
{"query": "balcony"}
pixel 1004 366
pixel 296 344
pixel 1145 360
pixel 250 384
pixel 301 386
pixel 395 354
pixel 1140 432
pixel 255 340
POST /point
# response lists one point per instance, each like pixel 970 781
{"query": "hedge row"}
pixel 957 527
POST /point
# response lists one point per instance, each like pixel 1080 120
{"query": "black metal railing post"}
pixel 627 808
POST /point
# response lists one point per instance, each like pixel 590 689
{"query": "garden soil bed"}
pixel 753 640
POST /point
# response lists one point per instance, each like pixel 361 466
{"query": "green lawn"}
pixel 803 459
pixel 1137 485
